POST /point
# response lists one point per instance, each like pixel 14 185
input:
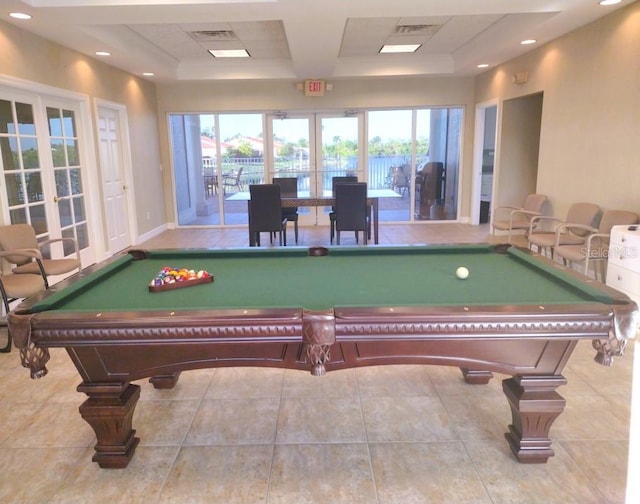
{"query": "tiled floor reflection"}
pixel 397 434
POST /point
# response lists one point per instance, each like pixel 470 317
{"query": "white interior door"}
pixel 113 179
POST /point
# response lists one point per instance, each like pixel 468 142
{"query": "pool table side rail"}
pixel 362 327
pixel 608 325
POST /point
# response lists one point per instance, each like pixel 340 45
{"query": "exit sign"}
pixel 314 87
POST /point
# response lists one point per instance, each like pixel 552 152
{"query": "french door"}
pixel 314 148
pixel 41 162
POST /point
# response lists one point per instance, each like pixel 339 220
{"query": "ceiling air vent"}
pixel 211 35
pixel 421 29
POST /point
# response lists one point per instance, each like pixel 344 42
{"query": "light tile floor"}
pixel 395 434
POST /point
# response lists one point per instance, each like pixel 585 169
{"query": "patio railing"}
pixel 379 169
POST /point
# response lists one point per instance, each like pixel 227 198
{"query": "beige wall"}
pixel 242 96
pixel 590 133
pixel 30 58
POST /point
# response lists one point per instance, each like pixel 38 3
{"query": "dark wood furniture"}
pixel 351 212
pixel 517 314
pixel 289 189
pixel 265 213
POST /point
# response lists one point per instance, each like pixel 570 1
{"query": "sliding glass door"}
pixel 340 154
pixel 292 155
pixel 410 156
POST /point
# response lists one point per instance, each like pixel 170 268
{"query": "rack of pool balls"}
pixel 169 278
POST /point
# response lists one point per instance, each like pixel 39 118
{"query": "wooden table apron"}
pixel 532 344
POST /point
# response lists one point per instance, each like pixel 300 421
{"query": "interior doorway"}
pixel 488 162
pixel 484 160
pixel 518 147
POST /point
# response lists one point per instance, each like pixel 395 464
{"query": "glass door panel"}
pixel 390 154
pixel 292 148
pixel 215 158
pixel 195 199
pixel 70 198
pixel 437 170
pixel 211 207
pixel 21 165
pixel 340 154
pixel 242 162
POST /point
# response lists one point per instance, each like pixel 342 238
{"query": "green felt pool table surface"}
pixel 278 278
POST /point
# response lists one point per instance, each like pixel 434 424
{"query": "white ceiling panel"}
pixel 299 39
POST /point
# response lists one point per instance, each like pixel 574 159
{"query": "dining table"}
pixel 306 199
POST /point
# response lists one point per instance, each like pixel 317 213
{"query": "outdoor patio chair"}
pixel 400 180
pixel 232 179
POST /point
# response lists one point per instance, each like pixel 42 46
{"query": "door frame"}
pixel 127 165
pixel 478 148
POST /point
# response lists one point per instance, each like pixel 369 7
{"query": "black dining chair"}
pixel 351 211
pixel 289 189
pixel 332 214
pixel 265 213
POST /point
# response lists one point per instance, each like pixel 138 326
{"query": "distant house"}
pixel 208 145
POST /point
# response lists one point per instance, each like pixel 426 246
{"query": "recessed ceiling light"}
pixel 483 65
pixel 399 48
pixel 610 2
pixel 20 15
pixel 229 53
pixel 528 41
pixel 103 53
pixel 148 74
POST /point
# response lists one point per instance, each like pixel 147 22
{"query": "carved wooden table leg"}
pixel 535 405
pixel 109 412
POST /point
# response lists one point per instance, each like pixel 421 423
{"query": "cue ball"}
pixel 462 272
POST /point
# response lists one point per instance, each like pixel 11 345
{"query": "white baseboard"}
pixel 151 234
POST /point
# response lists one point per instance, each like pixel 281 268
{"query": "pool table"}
pixel 319 310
